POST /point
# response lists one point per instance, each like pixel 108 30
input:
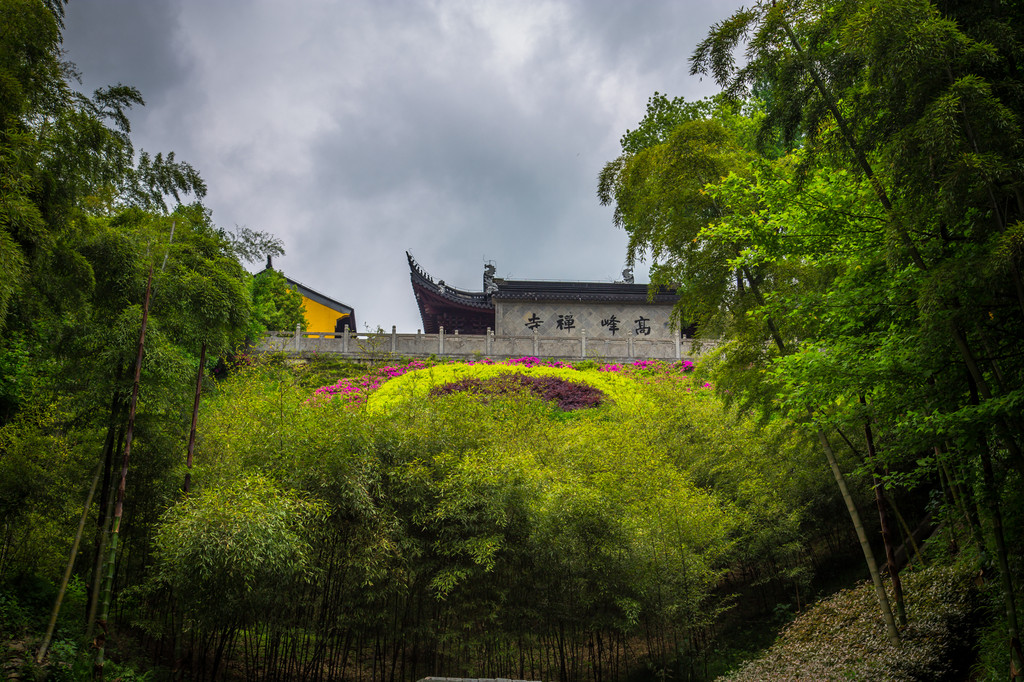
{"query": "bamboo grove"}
pixel 440 535
pixel 846 216
pixel 849 212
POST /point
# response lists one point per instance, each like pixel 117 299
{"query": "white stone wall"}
pixel 621 347
pixel 601 320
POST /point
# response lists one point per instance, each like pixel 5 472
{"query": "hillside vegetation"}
pixel 483 534
pixel 847 217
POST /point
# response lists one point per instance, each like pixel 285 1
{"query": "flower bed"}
pixel 569 395
pixel 356 391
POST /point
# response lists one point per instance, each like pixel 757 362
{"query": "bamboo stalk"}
pixel 195 419
pixel 71 564
pixel 869 554
pixel 101 638
pixel 883 519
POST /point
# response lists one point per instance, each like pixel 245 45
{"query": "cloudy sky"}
pixel 460 130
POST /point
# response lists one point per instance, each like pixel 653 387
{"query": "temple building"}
pixel 512 307
pixel 324 315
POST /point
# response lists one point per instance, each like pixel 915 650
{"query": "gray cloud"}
pixel 462 130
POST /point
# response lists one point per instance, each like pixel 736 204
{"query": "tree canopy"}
pixel 85 218
pixel 854 235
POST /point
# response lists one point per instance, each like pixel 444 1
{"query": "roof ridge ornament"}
pixel 490 286
pixel 415 267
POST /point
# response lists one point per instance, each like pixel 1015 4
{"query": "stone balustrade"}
pixel 381 345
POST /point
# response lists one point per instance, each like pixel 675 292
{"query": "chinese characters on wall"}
pixel 567 322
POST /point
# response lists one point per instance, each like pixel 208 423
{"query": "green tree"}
pixel 83 216
pixel 276 306
pixel 723 249
pixel 922 101
pixel 234 556
pixel 59 152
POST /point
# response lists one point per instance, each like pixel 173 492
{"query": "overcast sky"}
pixel 463 131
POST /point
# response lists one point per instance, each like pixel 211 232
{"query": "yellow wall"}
pixel 319 318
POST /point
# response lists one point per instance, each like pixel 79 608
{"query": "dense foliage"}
pixel 97 243
pixel 847 215
pixel 464 537
pixel 610 380
pixel 276 306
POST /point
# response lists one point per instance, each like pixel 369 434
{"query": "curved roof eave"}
pixel 421 281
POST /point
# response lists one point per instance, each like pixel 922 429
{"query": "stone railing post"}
pixel 440 341
pixel 344 339
pixel 679 347
pixel 298 338
pixel 583 343
pixel 536 344
pixel 490 336
pixel 629 344
pixel 394 340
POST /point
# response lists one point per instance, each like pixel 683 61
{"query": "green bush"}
pixel 233 555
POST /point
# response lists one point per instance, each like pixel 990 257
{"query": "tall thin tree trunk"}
pixel 195 419
pixel 883 520
pixel 865 545
pixel 119 505
pixel 890 552
pixel 851 507
pixel 106 501
pixel 71 564
pixel 990 497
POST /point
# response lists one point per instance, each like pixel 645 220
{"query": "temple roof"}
pixel 314 295
pixel 421 281
pixel 454 309
pixel 534 290
pixel 445 306
pixel 309 293
pixel 597 292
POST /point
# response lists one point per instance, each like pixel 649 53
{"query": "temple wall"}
pixel 600 320
pixel 581 345
pixel 319 317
